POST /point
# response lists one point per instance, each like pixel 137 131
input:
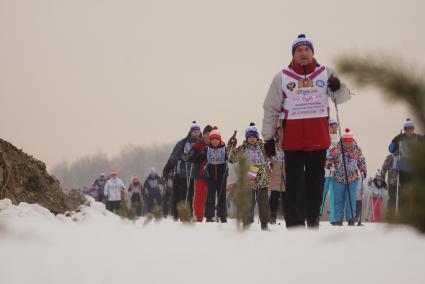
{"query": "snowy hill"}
pixel 95 246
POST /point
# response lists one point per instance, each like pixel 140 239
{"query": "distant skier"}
pixel 198 156
pixel 400 146
pixel 353 159
pixel 217 172
pixel 328 189
pixel 277 180
pixel 299 95
pixel 115 190
pixel 377 187
pixel 359 201
pixel 184 178
pixel 136 195
pixel 152 191
pixel 259 174
pixel 99 183
pixel 388 167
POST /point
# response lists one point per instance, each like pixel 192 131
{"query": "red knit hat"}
pixel 215 133
pixel 347 136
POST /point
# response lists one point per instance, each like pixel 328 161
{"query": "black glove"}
pixel 333 83
pixel 167 169
pixel 364 175
pixel 232 142
pixel 270 147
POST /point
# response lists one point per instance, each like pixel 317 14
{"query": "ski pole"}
pixel 188 181
pixel 343 159
pixel 398 181
pixel 361 200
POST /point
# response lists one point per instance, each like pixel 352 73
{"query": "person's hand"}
pixel 232 142
pixel 184 157
pixel 270 148
pixel 333 83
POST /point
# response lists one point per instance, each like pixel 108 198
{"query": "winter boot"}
pixel 313 223
pixel 351 222
pixel 209 220
pixel 223 220
pixel 264 227
pixel 338 223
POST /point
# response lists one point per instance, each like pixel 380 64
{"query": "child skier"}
pixel 354 159
pixel 152 191
pixel 136 195
pixel 327 188
pixel 376 189
pixel 217 171
pixel 259 174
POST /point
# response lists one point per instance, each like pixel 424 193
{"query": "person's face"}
pixel 215 142
pixel 409 131
pixel 207 137
pixel 195 133
pixel 303 55
pixel 252 140
pixel 347 144
pixel 333 129
pixel 113 175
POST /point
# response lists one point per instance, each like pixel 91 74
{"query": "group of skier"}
pixel 143 198
pixel 302 159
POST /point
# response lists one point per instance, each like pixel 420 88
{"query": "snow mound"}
pixel 96 246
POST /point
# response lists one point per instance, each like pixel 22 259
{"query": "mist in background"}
pixel 90 78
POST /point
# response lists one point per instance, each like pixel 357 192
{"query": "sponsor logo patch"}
pixel 320 83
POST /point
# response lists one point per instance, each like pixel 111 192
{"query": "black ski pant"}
pixel 216 190
pixel 136 203
pixel 261 197
pixel 392 194
pixel 179 194
pixel 304 186
pixel 167 202
pixel 114 205
pixel 274 202
pixel 153 199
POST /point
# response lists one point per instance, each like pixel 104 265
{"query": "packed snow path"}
pixel 95 246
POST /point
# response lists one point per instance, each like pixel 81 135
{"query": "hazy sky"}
pixel 79 76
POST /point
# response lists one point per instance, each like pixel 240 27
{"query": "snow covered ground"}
pixel 95 246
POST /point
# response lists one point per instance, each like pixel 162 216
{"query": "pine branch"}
pixel 397 80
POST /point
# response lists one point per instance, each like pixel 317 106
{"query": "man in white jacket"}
pixel 114 187
pixel 299 96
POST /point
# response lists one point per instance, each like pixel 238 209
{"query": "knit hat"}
pixel 215 134
pixel 347 136
pixel 152 171
pixel 194 126
pixel 301 40
pixel 251 131
pixel 408 124
pixel 208 129
pixel 332 122
pixel 378 173
pixel 102 175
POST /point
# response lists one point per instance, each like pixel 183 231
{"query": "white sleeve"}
pixel 272 106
